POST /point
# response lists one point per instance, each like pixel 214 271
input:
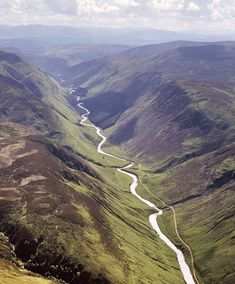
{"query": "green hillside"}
pixel 173 109
pixel 65 208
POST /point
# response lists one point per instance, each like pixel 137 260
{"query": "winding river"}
pixel 188 278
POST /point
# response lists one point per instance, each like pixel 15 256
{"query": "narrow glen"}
pixel 187 275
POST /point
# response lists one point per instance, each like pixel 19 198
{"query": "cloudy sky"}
pixel 200 15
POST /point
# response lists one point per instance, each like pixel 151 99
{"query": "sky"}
pixel 215 16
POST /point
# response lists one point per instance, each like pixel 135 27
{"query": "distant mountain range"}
pixel 125 36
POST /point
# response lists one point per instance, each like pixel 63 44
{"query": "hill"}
pixel 171 106
pixel 65 211
pixel 177 89
pixel 93 35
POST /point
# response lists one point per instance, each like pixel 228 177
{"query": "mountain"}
pixel 38 196
pixel 57 58
pixel 171 106
pixel 88 35
pixel 66 213
pixel 42 182
pixel 178 89
pixel 101 35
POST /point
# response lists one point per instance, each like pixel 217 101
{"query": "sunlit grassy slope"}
pixel 10 274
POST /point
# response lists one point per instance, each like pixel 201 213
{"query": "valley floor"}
pixel 187 275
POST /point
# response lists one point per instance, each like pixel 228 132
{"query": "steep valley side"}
pixel 65 209
pixel 175 113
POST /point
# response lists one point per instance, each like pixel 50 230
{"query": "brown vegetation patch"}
pixel 211 169
pixel 8 153
pixel 71 214
pixel 30 179
pixel 41 183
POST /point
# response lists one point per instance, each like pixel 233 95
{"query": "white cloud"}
pixel 222 9
pixel 126 3
pixel 93 6
pixel 170 5
pixel 102 7
pixel 217 15
pixel 62 6
pixel 193 7
pixel 28 6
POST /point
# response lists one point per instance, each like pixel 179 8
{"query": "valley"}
pixel 68 211
pixel 180 110
pixel 152 218
pixel 54 192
